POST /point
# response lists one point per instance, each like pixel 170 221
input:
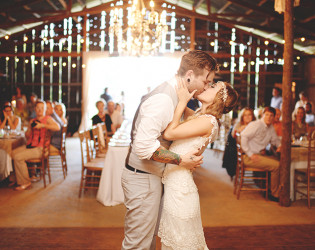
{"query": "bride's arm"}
pixel 196 127
pixel 201 126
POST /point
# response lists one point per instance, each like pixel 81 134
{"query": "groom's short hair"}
pixel 197 61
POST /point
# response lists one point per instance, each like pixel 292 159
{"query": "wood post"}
pixel 285 160
pixel 192 31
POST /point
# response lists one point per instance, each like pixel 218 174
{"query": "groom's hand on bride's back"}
pixel 191 160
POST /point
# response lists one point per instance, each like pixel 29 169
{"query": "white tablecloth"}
pixel 5 164
pixel 110 192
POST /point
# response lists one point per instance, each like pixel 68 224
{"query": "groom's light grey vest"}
pixel 132 159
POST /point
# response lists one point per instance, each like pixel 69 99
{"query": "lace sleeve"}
pixel 215 129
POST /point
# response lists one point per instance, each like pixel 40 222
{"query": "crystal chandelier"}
pixel 144 32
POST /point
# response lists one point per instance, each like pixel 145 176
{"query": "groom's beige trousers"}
pixel 143 194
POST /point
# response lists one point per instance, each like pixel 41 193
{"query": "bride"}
pixel 181 226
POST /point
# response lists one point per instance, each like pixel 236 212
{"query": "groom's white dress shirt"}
pixel 154 119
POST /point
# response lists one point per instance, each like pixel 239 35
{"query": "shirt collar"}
pixel 173 81
pixel 263 122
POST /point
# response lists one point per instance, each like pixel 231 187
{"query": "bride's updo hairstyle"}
pixel 224 101
pixel 197 61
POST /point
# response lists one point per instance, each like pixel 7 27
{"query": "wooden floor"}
pixel 55 218
pixel 254 237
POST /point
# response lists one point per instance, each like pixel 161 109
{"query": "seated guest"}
pixel 230 153
pixel 301 103
pixel 115 116
pixel 18 94
pixel 60 110
pixel 21 112
pixel 303 100
pixel 101 116
pixel 31 106
pixel 299 126
pixel 246 116
pixel 309 117
pixel 277 124
pixel 35 142
pixel 254 139
pixel 55 142
pixel 118 107
pixel 276 100
pixel 9 119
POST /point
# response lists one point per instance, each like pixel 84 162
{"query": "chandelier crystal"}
pixel 144 32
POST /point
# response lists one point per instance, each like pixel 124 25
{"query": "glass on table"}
pixel 6 129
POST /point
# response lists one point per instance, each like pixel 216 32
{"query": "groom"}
pixel 148 154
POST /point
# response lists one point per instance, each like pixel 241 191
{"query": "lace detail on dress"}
pixel 215 130
pixel 180 226
pixel 191 235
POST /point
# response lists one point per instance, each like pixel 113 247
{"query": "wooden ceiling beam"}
pixel 235 15
pixel 270 14
pixel 256 8
pixel 81 3
pixel 251 11
pixel 223 8
pixel 27 8
pixel 209 7
pixel 18 5
pixel 30 11
pixel 306 20
pixel 52 4
pixel 197 3
pixel 64 4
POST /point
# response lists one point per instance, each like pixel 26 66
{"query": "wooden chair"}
pixel 246 178
pixel 105 134
pixel 42 163
pixel 91 167
pixel 99 142
pixel 304 179
pixel 55 157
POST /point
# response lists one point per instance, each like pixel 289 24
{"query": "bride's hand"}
pixel 182 91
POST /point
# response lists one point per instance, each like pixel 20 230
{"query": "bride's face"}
pixel 207 96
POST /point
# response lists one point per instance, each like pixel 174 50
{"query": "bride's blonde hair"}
pixel 223 102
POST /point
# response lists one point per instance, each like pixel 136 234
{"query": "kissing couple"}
pixel 166 150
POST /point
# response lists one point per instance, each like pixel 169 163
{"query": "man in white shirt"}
pixel 309 116
pixel 276 100
pixel 254 139
pixel 145 163
pixel 115 116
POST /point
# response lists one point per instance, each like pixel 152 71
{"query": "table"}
pixel 298 160
pixel 110 192
pixel 7 144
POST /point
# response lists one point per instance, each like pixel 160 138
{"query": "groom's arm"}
pixel 166 156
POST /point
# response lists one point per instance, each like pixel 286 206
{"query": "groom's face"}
pixel 200 82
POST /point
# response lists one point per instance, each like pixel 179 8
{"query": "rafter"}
pixel 251 10
pixel 64 4
pixel 223 8
pixel 197 3
pixel 306 20
pixel 52 4
pixel 270 14
pixel 26 7
pixel 17 5
pixel 209 7
pixel 81 3
pixel 181 11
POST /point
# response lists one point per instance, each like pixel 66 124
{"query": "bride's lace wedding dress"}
pixel 180 225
